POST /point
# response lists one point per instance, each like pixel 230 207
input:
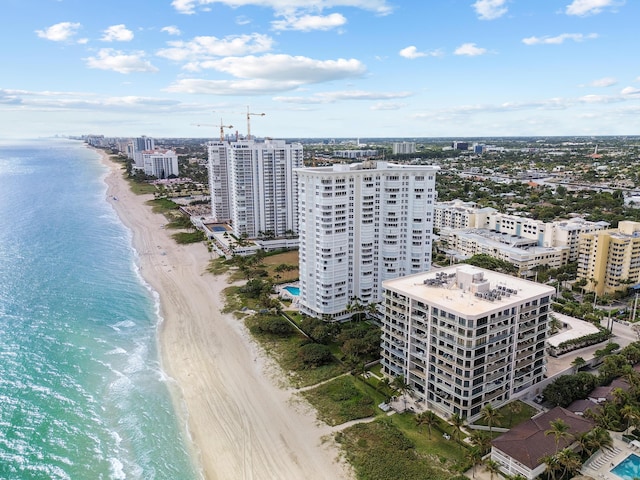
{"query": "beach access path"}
pixel 242 421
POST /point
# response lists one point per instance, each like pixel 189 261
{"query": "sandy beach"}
pixel 242 424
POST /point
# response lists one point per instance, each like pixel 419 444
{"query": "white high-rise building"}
pixel 160 163
pixel 360 224
pixel 142 144
pixel 219 181
pixel 403 147
pixel 254 185
pixel 464 337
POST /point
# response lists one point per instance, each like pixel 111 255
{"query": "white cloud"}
pixel 286 6
pixel 630 91
pixel 287 68
pixel 388 106
pixel 603 82
pixel 590 7
pixel 231 87
pixel 343 95
pixel 171 30
pixel 599 99
pixel 59 32
pixel 117 33
pixel 208 47
pixel 81 101
pixel 558 39
pixel 411 52
pixel 307 23
pixel 109 59
pixel 271 74
pixel 490 9
pixel 470 50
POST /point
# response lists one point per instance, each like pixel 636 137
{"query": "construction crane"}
pixel 249 121
pixel 222 127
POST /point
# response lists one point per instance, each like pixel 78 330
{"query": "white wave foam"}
pixel 117 469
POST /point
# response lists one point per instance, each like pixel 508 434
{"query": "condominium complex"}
pixel 464 337
pixel 139 145
pixel 563 233
pixel 219 181
pixel 159 163
pixel 610 259
pixel 459 214
pixel 522 252
pixel 398 148
pixel 254 186
pixel 360 224
pixel 355 154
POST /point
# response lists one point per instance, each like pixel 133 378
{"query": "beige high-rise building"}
pixel 610 259
pixel 464 337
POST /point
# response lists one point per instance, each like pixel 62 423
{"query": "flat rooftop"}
pixel 450 288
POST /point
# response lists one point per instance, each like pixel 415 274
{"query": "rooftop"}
pixel 467 289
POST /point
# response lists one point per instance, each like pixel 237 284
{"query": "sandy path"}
pixel 243 426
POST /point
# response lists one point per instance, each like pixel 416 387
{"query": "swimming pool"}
pixel 295 291
pixel 629 468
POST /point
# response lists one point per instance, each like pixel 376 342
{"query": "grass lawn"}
pixel 285 351
pixel 342 400
pixel 379 451
pixel 141 188
pixel 189 237
pixel 436 445
pixel 511 414
pixel 163 205
pixel 271 262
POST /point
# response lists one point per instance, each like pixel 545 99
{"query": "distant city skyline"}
pixel 339 68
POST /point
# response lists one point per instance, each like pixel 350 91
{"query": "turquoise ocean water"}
pixel 82 394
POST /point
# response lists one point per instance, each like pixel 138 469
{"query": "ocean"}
pixel 82 393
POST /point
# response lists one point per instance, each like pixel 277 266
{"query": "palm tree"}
pixel 569 461
pixel 551 461
pixel 385 385
pixel 596 439
pixel 475 458
pixel 402 387
pixel 420 420
pixel 492 466
pixel 631 414
pixel 578 363
pixel 560 430
pixel 481 441
pixel 457 422
pixel 490 415
pixel 429 419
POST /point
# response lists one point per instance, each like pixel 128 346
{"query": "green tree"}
pixel 430 419
pixel 474 456
pixel 560 430
pixel 314 355
pixel 490 415
pixel 578 363
pixel 492 467
pixel 457 422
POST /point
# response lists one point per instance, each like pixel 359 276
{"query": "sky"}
pixel 322 68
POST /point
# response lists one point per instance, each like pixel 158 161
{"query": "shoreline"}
pixel 239 422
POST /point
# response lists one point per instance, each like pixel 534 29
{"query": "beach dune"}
pixel 242 425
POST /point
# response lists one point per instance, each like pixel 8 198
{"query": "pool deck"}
pixel 600 465
pixel 286 294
